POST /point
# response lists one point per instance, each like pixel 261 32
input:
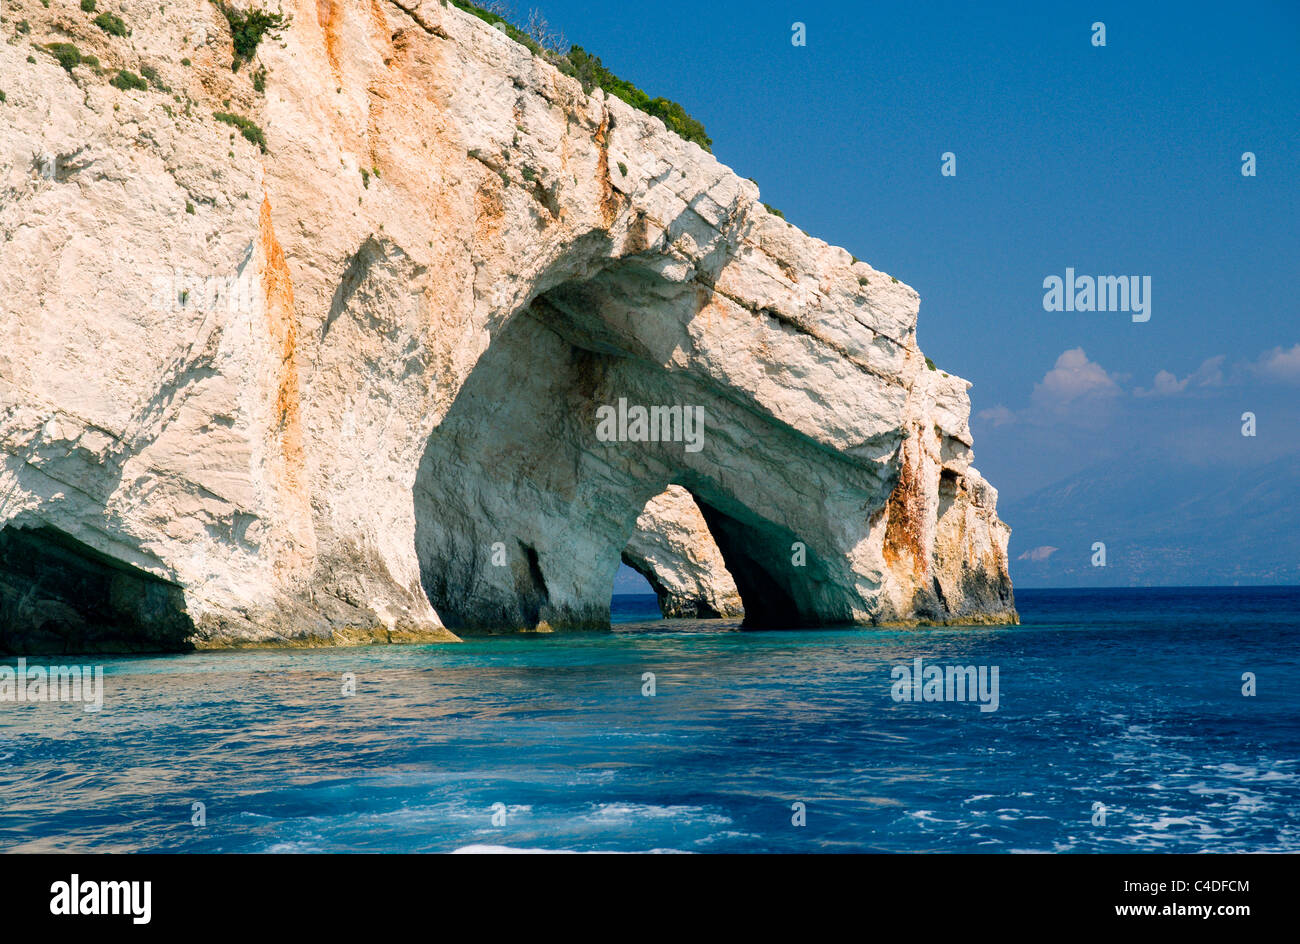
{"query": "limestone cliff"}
pixel 673 548
pixel 311 351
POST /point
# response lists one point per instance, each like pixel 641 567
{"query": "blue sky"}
pixel 1122 160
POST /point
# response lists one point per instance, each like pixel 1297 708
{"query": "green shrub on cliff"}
pixel 111 24
pixel 153 78
pixel 495 19
pixel 589 70
pixel 247 128
pixel 128 81
pixel 68 55
pixel 248 28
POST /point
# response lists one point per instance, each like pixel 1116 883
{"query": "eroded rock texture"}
pixel 674 550
pixel 345 390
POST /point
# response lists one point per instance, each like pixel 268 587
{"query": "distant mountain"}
pixel 1189 526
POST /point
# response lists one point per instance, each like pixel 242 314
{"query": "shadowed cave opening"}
pixel 769 599
pixel 60 596
pixel 753 557
pixel 704 563
pixel 780 579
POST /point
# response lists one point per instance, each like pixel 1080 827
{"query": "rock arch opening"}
pixel 524 512
pixel 674 550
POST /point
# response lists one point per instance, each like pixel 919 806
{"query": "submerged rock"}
pixel 347 389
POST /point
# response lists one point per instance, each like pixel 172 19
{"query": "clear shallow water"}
pixel 1131 698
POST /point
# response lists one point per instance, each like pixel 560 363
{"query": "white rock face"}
pixel 674 550
pixel 346 390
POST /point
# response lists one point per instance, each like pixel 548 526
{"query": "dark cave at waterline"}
pixel 59 596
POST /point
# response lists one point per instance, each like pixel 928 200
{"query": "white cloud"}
pixel 1166 384
pixel 996 416
pixel 1080 393
pixel 1039 554
pixel 1074 390
pixel 1072 379
pixel 1280 364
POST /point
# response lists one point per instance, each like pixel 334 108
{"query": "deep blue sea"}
pixel 1131 699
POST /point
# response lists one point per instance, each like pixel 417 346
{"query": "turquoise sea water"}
pixel 1127 698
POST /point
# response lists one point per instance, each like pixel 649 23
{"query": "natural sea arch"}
pixel 523 513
